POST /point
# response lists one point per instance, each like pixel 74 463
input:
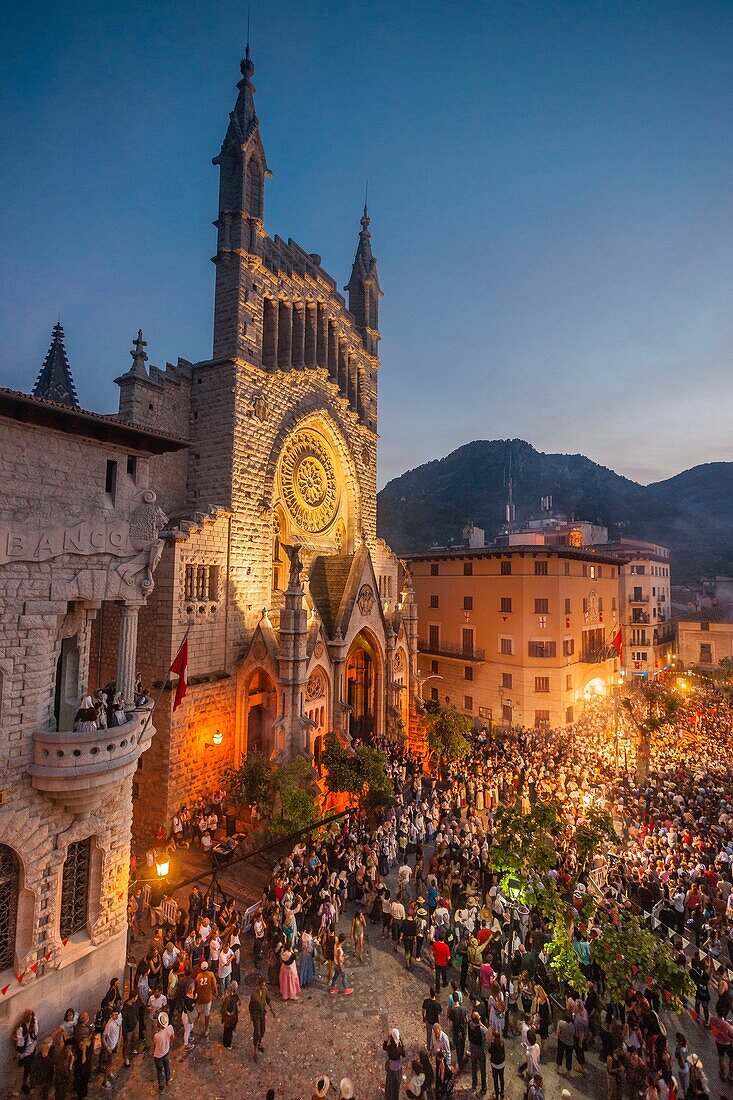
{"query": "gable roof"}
pixel 328 577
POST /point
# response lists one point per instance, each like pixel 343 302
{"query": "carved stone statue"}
pixel 147 520
pixel 296 564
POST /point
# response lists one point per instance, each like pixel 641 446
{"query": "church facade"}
pixel 299 619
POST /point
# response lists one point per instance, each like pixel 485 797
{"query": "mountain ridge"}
pixel 690 512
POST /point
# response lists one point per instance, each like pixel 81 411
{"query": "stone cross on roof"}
pixel 139 356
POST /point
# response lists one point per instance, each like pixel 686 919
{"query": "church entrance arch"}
pixel 260 713
pixel 361 677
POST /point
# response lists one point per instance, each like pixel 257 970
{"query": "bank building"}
pixel 231 502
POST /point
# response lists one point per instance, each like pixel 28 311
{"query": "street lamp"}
pixel 218 737
pixel 162 865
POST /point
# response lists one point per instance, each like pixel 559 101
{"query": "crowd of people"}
pixel 107 707
pixel 419 883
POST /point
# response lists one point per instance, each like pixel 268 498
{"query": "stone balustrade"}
pixel 79 770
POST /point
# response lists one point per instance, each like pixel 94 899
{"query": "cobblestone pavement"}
pixel 328 1033
pixel 341 1036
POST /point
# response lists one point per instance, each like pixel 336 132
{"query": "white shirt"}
pixel 112 1029
pixel 225 962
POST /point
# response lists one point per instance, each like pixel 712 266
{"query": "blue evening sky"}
pixel 550 185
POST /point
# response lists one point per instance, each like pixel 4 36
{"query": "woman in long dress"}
pixel 118 709
pixel 307 965
pixel 394 1048
pixel 289 983
pixel 85 719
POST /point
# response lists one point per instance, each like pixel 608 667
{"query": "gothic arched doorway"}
pixel 361 688
pixel 259 714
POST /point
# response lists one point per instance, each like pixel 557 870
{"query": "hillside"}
pixel 692 513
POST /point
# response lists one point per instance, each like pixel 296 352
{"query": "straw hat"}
pixel 163 1019
pixel 323 1084
pixel 346 1089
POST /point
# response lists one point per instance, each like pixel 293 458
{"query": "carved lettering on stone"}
pixel 84 539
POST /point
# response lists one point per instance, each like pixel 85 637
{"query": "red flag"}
pixel 180 666
pixel 616 642
pixel 4 989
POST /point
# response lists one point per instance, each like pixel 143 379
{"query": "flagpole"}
pixel 164 685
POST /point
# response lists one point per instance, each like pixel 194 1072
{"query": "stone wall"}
pixel 178 767
pixel 52 502
pixel 162 403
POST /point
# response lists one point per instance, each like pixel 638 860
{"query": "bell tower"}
pixel 242 173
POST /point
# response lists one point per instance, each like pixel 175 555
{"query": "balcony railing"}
pixel 597 656
pixel 81 770
pixel 640 618
pixel 452 650
pixel 638 599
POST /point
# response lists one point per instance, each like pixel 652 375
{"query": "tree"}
pixel 447 735
pixel 294 798
pixel 726 667
pixel 251 783
pixel 590 833
pixel 526 842
pixel 628 952
pixel 286 798
pixel 361 772
pixel 652 709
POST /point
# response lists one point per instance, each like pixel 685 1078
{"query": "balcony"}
pixel 81 770
pixel 452 650
pixel 638 599
pixel 640 618
pixel 597 656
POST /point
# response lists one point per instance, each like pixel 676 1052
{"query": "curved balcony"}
pixel 80 770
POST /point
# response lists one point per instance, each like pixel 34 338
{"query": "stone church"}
pixel 299 619
pixel 231 502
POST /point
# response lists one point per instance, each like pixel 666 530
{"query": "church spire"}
pixel 241 159
pixel 242 173
pixel 54 381
pixel 364 290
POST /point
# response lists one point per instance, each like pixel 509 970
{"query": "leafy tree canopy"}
pixel 526 842
pixel 361 772
pixel 447 733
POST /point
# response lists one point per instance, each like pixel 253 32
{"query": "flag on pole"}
pixel 180 666
pixel 616 642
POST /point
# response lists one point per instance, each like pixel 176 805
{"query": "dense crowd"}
pixel 420 882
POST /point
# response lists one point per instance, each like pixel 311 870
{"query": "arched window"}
pixel 9 890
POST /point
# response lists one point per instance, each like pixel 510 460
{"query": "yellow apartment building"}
pixel 705 637
pixel 517 634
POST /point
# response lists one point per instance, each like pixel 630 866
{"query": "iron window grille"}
pixel 9 888
pixel 75 888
